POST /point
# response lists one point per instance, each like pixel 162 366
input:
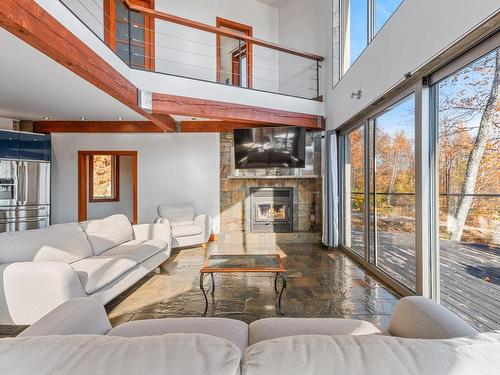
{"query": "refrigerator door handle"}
pixel 19 186
pixel 25 181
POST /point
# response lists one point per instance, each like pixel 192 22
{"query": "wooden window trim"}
pixel 149 32
pixel 115 165
pixel 247 30
pixel 83 185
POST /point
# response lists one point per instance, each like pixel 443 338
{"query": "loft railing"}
pixel 152 40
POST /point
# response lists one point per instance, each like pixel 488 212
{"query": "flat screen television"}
pixel 270 147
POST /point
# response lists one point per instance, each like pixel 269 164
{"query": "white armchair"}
pixel 188 229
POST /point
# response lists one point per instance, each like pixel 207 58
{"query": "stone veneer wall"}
pixel 234 205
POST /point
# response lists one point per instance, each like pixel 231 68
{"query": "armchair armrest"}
pixel 422 318
pixel 29 290
pixel 204 221
pixel 79 316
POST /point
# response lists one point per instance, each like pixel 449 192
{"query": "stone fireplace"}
pixel 252 203
pixel 271 209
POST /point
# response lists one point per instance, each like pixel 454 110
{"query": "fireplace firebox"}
pixel 271 209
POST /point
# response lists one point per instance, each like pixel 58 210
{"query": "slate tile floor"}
pixel 321 283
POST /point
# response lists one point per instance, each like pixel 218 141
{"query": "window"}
pixel 361 21
pixel 104 178
pixel 429 218
pixel 468 135
pixel 379 214
pixel 234 57
pixel 354 190
pixel 392 191
pixel 140 55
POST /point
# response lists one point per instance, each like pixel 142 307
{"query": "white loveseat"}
pixel 188 228
pixel 40 269
pixel 422 338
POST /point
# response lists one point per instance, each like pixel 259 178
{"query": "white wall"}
pixel 302 27
pixel 417 32
pixel 172 168
pixel 98 210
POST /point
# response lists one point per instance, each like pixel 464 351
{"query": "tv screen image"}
pixel 270 147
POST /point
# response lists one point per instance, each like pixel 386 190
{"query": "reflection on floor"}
pixel 320 284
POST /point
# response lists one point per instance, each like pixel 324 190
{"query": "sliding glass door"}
pixel 354 190
pixel 379 214
pixel 421 187
pixel 468 128
pixel 393 191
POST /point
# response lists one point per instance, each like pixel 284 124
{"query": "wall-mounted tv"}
pixel 270 147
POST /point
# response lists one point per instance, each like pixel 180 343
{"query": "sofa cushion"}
pixel 271 328
pixel 181 223
pixel 60 242
pixel 374 355
pixel 96 272
pixel 109 232
pixel 176 212
pixel 172 354
pixel 137 250
pixel 186 230
pixel 233 330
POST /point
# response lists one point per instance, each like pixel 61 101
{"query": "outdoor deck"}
pixel 470 275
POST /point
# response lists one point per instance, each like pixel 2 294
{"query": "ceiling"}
pixel 33 86
pixel 274 3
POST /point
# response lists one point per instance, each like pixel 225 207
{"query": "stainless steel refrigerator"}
pixel 24 195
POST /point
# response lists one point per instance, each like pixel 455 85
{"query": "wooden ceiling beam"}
pixel 138 126
pixel 31 23
pixel 181 105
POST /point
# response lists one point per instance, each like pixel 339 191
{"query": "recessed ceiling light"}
pixel 119 118
pixel 46 118
pixel 83 118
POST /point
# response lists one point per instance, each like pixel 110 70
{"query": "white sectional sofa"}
pixel 40 269
pixel 422 338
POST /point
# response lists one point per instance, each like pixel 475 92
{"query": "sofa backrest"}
pixel 173 354
pixel 103 234
pixel 60 242
pixel 176 212
pixel 373 355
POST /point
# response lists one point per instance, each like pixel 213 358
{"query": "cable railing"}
pixel 151 40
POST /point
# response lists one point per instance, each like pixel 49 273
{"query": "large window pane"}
pixel 393 195
pixel 469 191
pixel 383 11
pixel 354 191
pixel 358 28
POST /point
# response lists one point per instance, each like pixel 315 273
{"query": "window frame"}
pixel 115 179
pixel 371 31
pixel 248 48
pixel 109 10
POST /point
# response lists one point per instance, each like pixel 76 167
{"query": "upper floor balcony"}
pixel 223 51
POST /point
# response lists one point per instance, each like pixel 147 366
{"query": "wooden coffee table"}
pixel 242 263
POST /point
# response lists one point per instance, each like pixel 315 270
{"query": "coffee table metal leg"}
pixel 202 278
pixel 276 282
pixel 283 286
pixel 213 283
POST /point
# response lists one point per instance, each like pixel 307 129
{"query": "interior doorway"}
pixel 234 56
pixel 107 184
